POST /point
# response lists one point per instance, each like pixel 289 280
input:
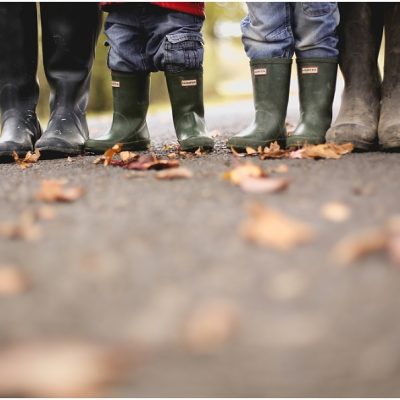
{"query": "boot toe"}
pixel 389 137
pixel 8 148
pixel 59 146
pixel 362 137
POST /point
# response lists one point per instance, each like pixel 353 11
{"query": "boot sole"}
pixel 390 147
pixel 50 152
pixel 130 146
pixel 303 142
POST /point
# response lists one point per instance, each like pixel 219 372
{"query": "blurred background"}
pixel 225 64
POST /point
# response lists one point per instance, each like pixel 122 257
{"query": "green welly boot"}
pixel 317 83
pixel 129 127
pixel 186 94
pixel 271 80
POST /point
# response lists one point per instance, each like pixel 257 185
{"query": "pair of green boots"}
pixel 131 101
pixel 271 82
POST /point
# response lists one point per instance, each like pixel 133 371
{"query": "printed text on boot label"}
pixel 189 82
pixel 115 84
pixel 260 71
pixel 309 70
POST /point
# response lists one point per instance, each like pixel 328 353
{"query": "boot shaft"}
pixel 271 83
pixel 317 84
pixel 18 61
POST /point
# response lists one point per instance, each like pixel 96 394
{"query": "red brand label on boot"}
pixel 189 82
pixel 115 84
pixel 309 70
pixel 260 71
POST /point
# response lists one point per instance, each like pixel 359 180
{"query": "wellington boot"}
pixel 317 83
pixel 131 101
pixel 360 34
pixel 186 95
pixel 271 80
pixel 69 39
pixel 389 121
pixel 19 90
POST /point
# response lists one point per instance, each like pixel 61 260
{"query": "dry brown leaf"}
pixel 127 156
pixel 52 190
pixel 12 280
pixel 273 151
pixel 250 151
pixel 26 228
pixel 200 152
pixel 244 171
pixel 108 155
pixel 263 185
pixel 174 173
pixel 61 368
pixel 29 159
pixel 327 150
pixel 356 246
pixel 269 227
pixel 210 326
pixel 151 161
pixel 335 211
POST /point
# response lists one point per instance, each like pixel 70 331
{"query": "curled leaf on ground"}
pixel 268 227
pixel 200 152
pixel 250 151
pixel 109 154
pixel 335 211
pixel 25 228
pixel 263 185
pixel 29 159
pixel 61 368
pixel 174 173
pixel 243 171
pixel 273 151
pixel 127 156
pixel 327 150
pixel 151 161
pixel 12 280
pixel 53 190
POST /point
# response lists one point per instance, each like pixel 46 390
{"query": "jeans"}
pixel 282 29
pixel 148 38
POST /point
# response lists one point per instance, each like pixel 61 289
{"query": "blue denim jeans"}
pixel 148 38
pixel 282 29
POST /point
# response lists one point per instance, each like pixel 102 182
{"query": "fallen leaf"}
pixel 356 246
pixel 263 185
pixel 127 156
pixel 175 173
pixel 273 151
pixel 327 150
pixel 210 326
pixel 52 190
pixel 51 368
pixel 109 154
pixel 29 159
pixel 250 151
pixel 25 228
pixel 172 156
pixel 151 161
pixel 335 211
pixel 12 280
pixel 271 228
pixel 46 213
pixel 200 152
pixel 244 171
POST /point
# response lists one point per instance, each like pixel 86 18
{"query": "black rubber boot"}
pixel 19 90
pixel 186 94
pixel 69 35
pixel 131 101
pixel 317 84
pixel 271 80
pixel 389 121
pixel 360 34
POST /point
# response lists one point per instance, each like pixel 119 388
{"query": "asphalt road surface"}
pixel 140 261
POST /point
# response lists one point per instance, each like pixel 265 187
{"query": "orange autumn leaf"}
pixel 53 190
pixel 29 159
pixel 243 171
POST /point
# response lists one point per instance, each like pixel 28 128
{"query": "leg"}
pixel 360 34
pixel 389 122
pixel 268 42
pixel 180 55
pixel 19 90
pixel 130 73
pixel 316 50
pixel 69 33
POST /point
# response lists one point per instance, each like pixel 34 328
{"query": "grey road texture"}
pixel 134 258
